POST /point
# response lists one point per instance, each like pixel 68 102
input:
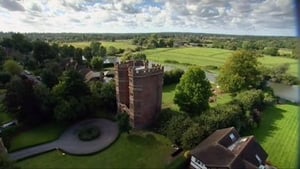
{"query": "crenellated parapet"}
pixel 145 70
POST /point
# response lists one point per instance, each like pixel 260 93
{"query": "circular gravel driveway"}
pixel 71 144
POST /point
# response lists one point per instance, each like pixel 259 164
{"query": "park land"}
pixel 148 148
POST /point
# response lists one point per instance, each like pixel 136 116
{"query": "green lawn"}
pixel 138 150
pixel 210 56
pixel 167 97
pixel 38 135
pixel 279 134
pixel 123 44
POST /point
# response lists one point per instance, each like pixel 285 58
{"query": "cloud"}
pixel 220 16
pixel 11 5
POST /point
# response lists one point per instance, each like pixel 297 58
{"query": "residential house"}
pixel 226 149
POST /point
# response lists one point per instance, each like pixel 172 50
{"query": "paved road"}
pixel 69 142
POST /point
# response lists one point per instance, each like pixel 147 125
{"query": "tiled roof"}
pixel 220 150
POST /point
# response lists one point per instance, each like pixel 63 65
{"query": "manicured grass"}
pixel 278 134
pixel 167 97
pixel 137 150
pixel 36 136
pixel 222 99
pixel 211 56
pixel 123 44
pixel 198 56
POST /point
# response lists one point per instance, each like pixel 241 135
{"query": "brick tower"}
pixel 139 91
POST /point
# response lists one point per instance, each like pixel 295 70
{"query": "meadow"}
pixel 137 150
pixel 210 57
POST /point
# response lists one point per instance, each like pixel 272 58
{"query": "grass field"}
pixel 138 150
pixel 279 134
pixel 210 56
pixel 36 136
pixel 123 44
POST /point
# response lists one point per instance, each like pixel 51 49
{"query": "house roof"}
pixel 225 148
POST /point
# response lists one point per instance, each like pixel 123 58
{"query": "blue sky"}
pixel 245 17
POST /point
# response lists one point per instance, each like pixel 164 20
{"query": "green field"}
pixel 210 56
pixel 123 44
pixel 279 134
pixel 138 150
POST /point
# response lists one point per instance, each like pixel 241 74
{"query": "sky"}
pixel 241 17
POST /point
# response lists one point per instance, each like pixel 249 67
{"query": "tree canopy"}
pixel 193 91
pixel 12 67
pixel 240 72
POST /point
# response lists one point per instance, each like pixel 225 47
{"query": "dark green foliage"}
pixel 12 67
pixel 223 116
pixel 250 99
pixel 177 125
pixel 28 103
pixel 97 63
pixel 42 51
pixel 192 137
pixel 49 78
pixel 104 96
pixel 279 74
pixel 87 53
pixel 133 56
pixel 123 122
pixel 172 76
pixel 240 72
pixel 71 85
pixel 193 92
pixel 112 51
pixel 4 77
pixel 171 61
pixel 273 51
pixel 71 96
pixel 89 133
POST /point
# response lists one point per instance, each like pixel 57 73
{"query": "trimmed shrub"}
pixel 172 76
pixel 89 133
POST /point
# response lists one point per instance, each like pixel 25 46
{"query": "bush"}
pixel 192 137
pixel 89 133
pixel 4 77
pixel 211 67
pixel 172 76
pixel 171 61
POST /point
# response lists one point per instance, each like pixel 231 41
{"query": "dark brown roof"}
pixel 219 150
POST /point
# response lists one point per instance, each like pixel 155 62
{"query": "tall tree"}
pixel 193 91
pixel 240 72
pixel 70 95
pixel 97 63
pixel 95 48
pixel 41 51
